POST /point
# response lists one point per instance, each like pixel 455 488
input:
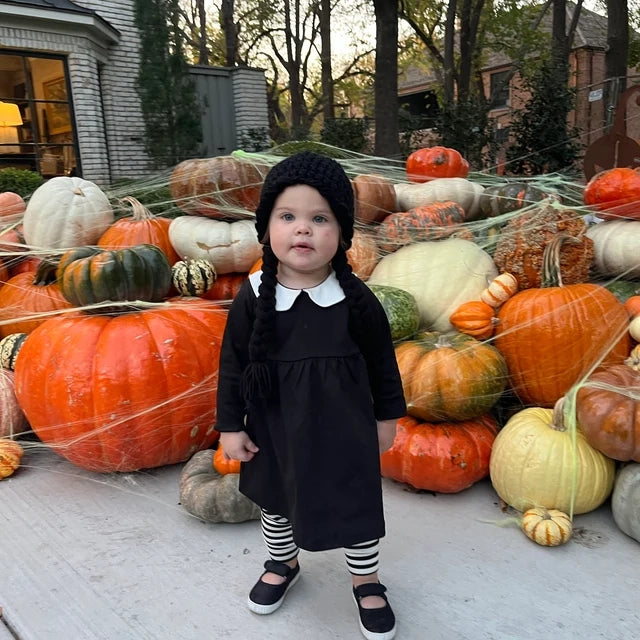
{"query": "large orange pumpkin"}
pixel 608 409
pixel 124 392
pixel 450 376
pixel 552 336
pixel 445 457
pixel 142 227
pixel 28 299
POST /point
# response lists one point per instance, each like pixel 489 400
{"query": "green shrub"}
pixel 289 148
pixel 20 181
pixel 348 133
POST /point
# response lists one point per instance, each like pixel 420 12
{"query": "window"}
pixel 40 135
pixel 499 89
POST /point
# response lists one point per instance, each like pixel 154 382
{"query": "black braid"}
pixel 361 321
pixel 256 380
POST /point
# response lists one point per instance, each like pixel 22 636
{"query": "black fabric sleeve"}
pixel 234 357
pixel 384 376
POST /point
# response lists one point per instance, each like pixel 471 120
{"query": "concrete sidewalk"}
pixel 115 557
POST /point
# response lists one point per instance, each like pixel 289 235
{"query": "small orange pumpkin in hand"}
pixel 222 464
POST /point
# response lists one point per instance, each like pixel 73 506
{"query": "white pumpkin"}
pixel 232 247
pixel 616 246
pixel 625 500
pixel 66 212
pixel 439 275
pixel 12 420
pixel 464 192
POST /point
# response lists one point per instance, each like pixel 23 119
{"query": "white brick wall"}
pixel 109 122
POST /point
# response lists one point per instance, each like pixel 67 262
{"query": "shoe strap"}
pixel 279 568
pixel 369 589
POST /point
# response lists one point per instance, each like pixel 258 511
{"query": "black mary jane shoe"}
pixel 375 624
pixel 265 598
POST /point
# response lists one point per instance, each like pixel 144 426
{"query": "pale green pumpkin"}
pixel 534 463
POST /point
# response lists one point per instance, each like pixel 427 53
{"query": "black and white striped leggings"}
pixel 362 558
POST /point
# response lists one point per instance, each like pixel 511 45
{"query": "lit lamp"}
pixel 10 118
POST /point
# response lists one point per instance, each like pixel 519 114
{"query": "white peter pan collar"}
pixel 325 294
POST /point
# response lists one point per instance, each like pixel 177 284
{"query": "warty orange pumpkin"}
pixel 436 162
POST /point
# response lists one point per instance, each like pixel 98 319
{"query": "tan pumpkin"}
pixel 439 275
pixel 475 318
pixel 537 461
pixel 450 376
pixel 10 455
pixel 363 254
pixel 547 527
pixel 213 497
pixel 375 198
pixel 12 206
pixel 232 247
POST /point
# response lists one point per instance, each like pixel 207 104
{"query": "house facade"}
pixel 506 94
pixel 70 68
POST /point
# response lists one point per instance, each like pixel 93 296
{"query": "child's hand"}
pixel 237 445
pixel 386 434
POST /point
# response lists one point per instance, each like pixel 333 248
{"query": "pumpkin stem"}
pixel 550 274
pixel 140 212
pixel 443 341
pixel 557 419
pixel 45 273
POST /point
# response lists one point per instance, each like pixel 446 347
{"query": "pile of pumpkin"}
pixel 124 379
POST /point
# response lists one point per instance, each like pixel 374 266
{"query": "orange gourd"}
pixel 363 254
pixel 552 335
pixel 475 318
pixel 142 227
pixel 10 455
pixel 445 457
pixel 222 464
pixel 500 289
pixel 632 305
pixel 375 198
pixel 436 162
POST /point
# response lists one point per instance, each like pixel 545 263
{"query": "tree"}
pixel 167 93
pixel 387 140
pixel 616 55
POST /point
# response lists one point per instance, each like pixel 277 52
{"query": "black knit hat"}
pixel 315 170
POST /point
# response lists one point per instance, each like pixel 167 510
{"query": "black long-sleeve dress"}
pixel 318 462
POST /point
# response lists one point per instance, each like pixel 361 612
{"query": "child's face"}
pixel 303 231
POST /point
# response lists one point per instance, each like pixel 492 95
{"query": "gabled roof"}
pixel 41 8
